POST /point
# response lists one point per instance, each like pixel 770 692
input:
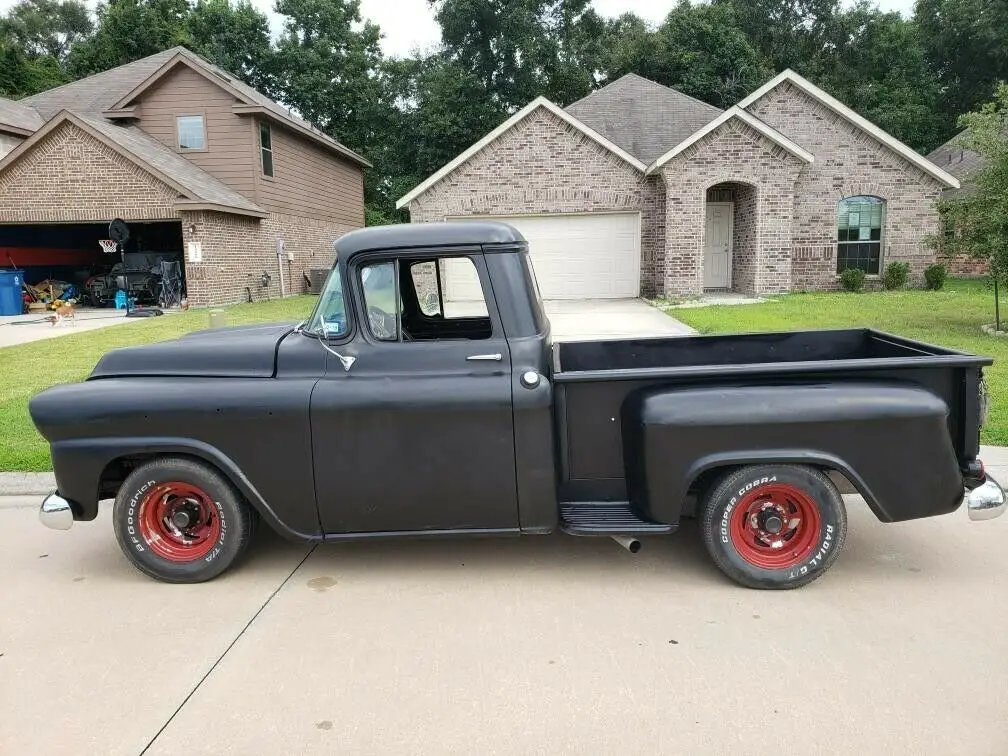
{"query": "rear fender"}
pixel 890 440
pixel 79 464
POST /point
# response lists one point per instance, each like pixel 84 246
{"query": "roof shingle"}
pixel 642 116
pixel 18 115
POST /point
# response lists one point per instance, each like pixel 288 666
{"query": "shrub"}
pixel 934 277
pixel 852 279
pixel 895 275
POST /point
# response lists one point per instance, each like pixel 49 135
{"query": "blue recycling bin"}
pixel 11 301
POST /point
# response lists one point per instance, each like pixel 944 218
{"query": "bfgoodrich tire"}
pixel 774 526
pixel 180 521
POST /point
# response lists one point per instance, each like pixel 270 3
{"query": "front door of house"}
pixel 718 246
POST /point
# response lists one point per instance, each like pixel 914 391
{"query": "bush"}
pixel 895 275
pixel 852 279
pixel 934 277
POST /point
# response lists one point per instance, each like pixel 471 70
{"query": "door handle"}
pixel 484 358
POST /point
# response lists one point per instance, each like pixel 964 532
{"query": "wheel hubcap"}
pixel 775 526
pixel 179 522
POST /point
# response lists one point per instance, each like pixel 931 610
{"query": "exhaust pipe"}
pixel 628 542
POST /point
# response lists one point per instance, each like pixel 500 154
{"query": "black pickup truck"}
pixel 397 409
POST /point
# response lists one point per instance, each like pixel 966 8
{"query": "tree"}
pixel 235 37
pixel 326 66
pixel 520 49
pixel 966 42
pixel 980 217
pixel 42 28
pixel 699 49
pixel 878 66
pixel 129 30
pixel 795 34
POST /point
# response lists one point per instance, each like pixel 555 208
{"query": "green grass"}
pixel 27 369
pixel 951 318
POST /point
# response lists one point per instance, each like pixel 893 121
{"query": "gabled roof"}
pixel 17 118
pixel 642 116
pixel 197 188
pixel 95 94
pixel 747 118
pixel 510 123
pixel 239 90
pixel 961 162
pixel 863 123
pixel 107 94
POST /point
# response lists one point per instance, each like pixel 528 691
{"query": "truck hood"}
pixel 238 352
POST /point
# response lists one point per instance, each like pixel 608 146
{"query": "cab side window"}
pixel 425 300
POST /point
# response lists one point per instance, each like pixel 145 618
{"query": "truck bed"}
pixel 811 349
pixel 594 378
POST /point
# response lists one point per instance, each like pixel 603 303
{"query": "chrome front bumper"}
pixel 986 501
pixel 56 512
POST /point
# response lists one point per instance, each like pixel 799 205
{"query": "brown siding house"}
pixel 194 160
pixel 640 189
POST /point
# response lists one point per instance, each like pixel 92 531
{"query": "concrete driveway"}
pixel 610 319
pixel 535 645
pixel 22 329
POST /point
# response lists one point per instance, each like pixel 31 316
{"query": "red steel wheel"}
pixel 775 526
pixel 179 521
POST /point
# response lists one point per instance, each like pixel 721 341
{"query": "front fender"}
pixel 79 464
pixel 891 441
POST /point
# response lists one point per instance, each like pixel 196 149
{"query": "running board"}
pixel 605 518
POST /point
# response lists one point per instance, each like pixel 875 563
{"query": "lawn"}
pixel 951 318
pixel 27 369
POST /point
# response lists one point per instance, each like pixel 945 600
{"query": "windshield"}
pixel 329 317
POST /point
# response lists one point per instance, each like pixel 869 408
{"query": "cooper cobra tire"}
pixel 774 526
pixel 180 521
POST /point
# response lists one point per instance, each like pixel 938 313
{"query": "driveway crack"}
pixel 227 650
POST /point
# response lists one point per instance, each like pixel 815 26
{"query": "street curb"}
pixel 27 484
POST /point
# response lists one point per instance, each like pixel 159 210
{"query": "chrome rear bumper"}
pixel 986 501
pixel 56 512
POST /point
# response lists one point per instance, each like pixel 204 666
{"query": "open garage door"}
pixel 578 256
pixel 67 257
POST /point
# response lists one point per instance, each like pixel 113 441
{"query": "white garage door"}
pixel 592 256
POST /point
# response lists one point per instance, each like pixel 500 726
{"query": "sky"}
pixel 409 24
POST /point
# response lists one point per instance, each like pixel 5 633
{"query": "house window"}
pixel 266 149
pixel 859 234
pixel 191 134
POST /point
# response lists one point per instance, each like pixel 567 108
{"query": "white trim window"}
pixel 266 148
pixel 859 234
pixel 191 132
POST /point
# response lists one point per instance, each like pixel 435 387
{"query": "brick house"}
pixel 964 164
pixel 640 189
pixel 194 160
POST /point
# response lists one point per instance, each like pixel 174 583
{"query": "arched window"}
pixel 859 233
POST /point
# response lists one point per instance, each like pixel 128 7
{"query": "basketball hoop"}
pixel 108 246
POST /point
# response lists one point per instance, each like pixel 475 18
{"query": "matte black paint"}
pixel 416 440
pixel 873 432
